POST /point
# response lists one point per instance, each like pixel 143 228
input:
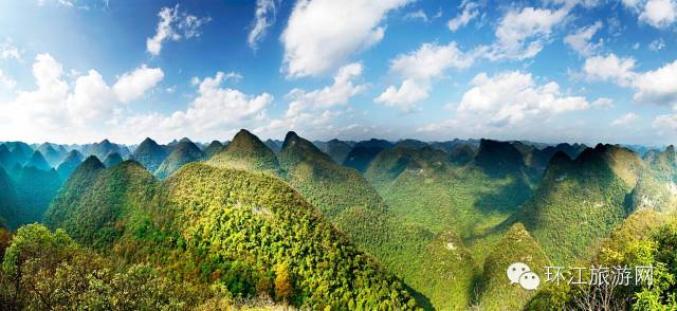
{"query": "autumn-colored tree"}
pixel 283 285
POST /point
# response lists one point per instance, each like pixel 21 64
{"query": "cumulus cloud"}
pixel 625 119
pixel 264 17
pixel 656 13
pixel 659 13
pixel 657 87
pixel 316 111
pixel 610 68
pixel 417 69
pixel 521 33
pixel 318 39
pixel 507 105
pixel 174 25
pixel 666 124
pixel 214 112
pixel 58 106
pixel 133 85
pixel 580 41
pixel 469 11
pixel 406 97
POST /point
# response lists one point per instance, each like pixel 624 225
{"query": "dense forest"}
pixel 336 225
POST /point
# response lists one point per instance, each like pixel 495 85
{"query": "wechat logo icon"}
pixel 519 272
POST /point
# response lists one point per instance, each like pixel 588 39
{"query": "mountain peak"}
pixel 38 161
pixel 499 158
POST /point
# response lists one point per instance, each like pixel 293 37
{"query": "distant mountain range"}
pixel 375 223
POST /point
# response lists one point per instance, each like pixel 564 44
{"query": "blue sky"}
pixel 75 71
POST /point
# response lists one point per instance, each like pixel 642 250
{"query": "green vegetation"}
pixel 247 152
pixel 496 292
pixel 69 164
pixel 149 154
pixel 235 235
pixel 183 153
pixel 282 225
pixel 646 238
pixel 581 201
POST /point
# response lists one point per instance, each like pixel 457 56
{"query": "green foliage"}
pixel 580 202
pixel 496 292
pixel 247 152
pixel 42 270
pixel 183 153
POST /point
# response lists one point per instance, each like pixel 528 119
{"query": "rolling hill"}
pixel 241 234
pixel 183 153
pixel 149 154
pixel 247 152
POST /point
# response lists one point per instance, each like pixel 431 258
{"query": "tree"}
pixel 283 285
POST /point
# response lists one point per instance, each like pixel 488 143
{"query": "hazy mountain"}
pixel 365 151
pixel 52 153
pixel 247 152
pixel 337 149
pixel 8 202
pixel 213 148
pixel 38 161
pixel 102 149
pixel 274 145
pixel 35 189
pixel 150 154
pixel 411 143
pixel 183 153
pixel 69 164
pixel 112 159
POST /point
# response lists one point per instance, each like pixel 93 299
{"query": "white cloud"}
pixel 417 69
pixel 417 15
pixel 521 33
pixel 6 82
pixel 56 111
pixel 215 112
pixel 9 51
pixel 316 111
pixel 263 19
pixel 469 11
pixel 657 45
pixel 625 119
pixel 318 39
pixel 580 41
pixel 133 85
pixel 174 25
pixel 406 97
pixel 656 13
pixel 603 102
pixel 659 13
pixel 658 86
pixel 610 68
pixel 430 60
pixel 666 124
pixel 511 98
pixel 338 93
pixel 508 105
